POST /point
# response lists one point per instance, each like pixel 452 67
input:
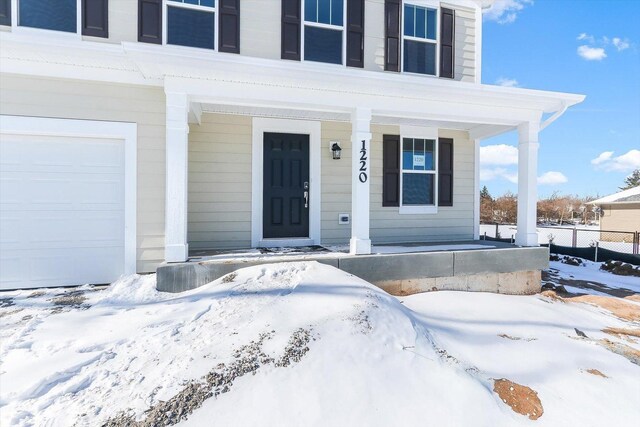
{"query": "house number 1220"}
pixel 363 163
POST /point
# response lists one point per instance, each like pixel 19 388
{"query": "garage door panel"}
pixel 61 210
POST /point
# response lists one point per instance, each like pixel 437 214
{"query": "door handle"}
pixel 306 199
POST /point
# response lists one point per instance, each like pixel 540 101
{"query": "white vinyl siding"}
pixel 387 225
pixel 41 97
pixel 123 22
pixel 336 183
pixel 220 188
pixel 219 199
pixel 465 44
pixel 260 28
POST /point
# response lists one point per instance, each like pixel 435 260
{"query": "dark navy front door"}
pixel 286 185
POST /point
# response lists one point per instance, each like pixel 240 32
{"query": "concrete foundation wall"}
pixel 517 272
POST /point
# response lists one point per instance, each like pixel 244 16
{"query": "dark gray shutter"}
pixel 5 12
pixel 150 21
pixel 391 170
pixel 355 33
pixel 229 31
pixel 392 14
pixel 447 34
pixel 95 18
pixel 445 172
pixel 290 38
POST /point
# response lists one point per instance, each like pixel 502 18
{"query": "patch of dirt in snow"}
pixel 512 338
pixel 619 307
pixel 6 302
pixel 635 297
pixel 552 280
pixel 72 299
pixel 596 372
pixel 622 332
pixel 629 353
pixel 522 399
pixel 248 359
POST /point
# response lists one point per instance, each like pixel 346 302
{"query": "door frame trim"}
pixel 125 131
pixel 260 125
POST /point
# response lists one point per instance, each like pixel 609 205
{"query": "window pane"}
pixel 322 45
pixel 417 189
pixel 188 27
pixel 419 57
pixel 337 10
pixel 324 11
pixel 431 24
pixel 407 153
pixel 430 159
pixel 421 22
pixel 49 15
pixel 210 3
pixel 418 155
pixel 409 20
pixel 311 10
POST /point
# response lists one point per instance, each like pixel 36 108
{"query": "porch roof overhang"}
pixel 246 85
pixel 256 86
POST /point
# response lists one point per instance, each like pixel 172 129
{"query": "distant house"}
pixel 620 211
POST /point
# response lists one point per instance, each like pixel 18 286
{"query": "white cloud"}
pixel 505 11
pixel 552 178
pixel 624 163
pixel 620 44
pixel 499 154
pixel 592 53
pixel 503 81
pixel 603 157
pixel 587 37
pixel 489 174
pixel 595 50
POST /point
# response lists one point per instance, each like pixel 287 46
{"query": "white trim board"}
pixel 26 125
pixel 311 128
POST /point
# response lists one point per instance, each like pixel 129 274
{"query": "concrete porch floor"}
pixel 399 269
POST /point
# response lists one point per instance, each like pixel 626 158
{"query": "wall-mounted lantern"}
pixel 336 150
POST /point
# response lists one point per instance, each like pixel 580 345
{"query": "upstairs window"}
pixel 58 15
pixel 191 23
pixel 418 178
pixel 419 39
pixel 323 31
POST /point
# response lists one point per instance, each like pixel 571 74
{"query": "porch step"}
pixel 512 270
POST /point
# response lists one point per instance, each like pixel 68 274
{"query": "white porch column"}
pixel 476 189
pixel 177 128
pixel 526 234
pixel 360 177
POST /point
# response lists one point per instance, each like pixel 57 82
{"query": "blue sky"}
pixel 589 47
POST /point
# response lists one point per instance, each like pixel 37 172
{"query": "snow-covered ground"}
pixel 304 344
pixel 590 273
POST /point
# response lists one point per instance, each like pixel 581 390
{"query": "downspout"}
pixel 555 116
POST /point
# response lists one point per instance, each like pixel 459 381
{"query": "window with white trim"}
pixel 60 15
pixel 418 172
pixel 420 42
pixel 191 23
pixel 323 31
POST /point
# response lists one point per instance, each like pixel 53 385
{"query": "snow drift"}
pixel 299 344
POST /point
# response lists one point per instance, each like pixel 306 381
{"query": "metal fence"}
pixel 590 243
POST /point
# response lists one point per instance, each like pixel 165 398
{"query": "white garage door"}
pixel 62 216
